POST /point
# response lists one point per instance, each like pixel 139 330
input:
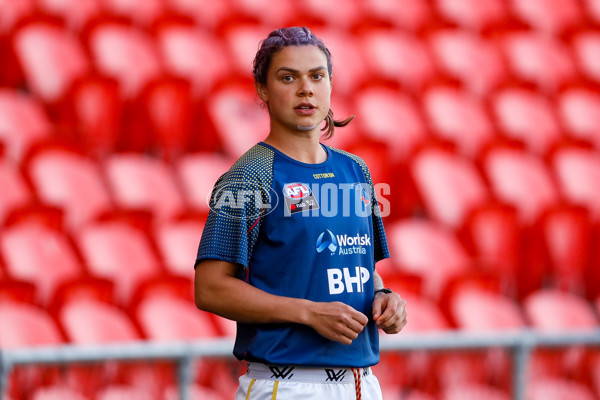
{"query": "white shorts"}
pixel 264 382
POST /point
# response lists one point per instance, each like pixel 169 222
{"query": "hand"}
pixel 389 312
pixel 337 321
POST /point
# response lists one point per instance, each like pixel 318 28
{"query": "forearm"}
pixel 232 298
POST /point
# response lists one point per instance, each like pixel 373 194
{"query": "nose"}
pixel 305 89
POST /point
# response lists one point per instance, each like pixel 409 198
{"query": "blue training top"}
pixel 309 231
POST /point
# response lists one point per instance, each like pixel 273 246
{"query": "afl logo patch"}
pixel 298 197
pixel 296 190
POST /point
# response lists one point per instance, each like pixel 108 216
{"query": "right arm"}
pixel 218 290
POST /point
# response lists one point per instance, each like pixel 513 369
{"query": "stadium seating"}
pixel 38 254
pixel 177 242
pixel 25 325
pixel 118 116
pixel 23 122
pixel 458 118
pixel 577 170
pixel 51 58
pixel 449 185
pixel 475 62
pixel 118 251
pixel 576 108
pixel 520 179
pixel 429 250
pixel 71 181
pixel 57 392
pixel 472 14
pixel 528 117
pixel 381 108
pixel 548 16
pixel 134 179
pixel 15 191
pixel 539 59
pixel 399 57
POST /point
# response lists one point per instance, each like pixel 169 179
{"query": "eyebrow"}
pixel 297 71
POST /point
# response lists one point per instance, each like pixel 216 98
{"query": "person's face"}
pixel 298 88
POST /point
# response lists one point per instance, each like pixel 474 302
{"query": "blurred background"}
pixel 482 116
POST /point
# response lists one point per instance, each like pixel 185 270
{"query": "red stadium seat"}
pixel 93 108
pixel 167 115
pixel 552 310
pixel 474 392
pixel 14 12
pixel 410 14
pixel 449 185
pixel 548 16
pixel 40 255
pixel 558 389
pixel 197 174
pixel 586 46
pixel 126 54
pixel 398 56
pixel 480 310
pixel 240 41
pixel 255 9
pixel 71 181
pixel 239 121
pixel 332 14
pixel 544 61
pixel 472 14
pixel 88 321
pixel 425 316
pixel 57 392
pixel 25 325
pixel 208 14
pixel 527 117
pixel 522 180
pixel 193 54
pixel 380 109
pixel 135 180
pixel 51 57
pixel 118 252
pixel 195 392
pixel 578 112
pixel 172 318
pixel 23 122
pixel 567 234
pixel 459 118
pixel 15 192
pixel 178 242
pixel 493 235
pixel 474 61
pixel 429 250
pixel 75 13
pixel 592 10
pixel 140 12
pixel 122 392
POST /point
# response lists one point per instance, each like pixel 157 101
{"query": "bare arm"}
pixel 218 290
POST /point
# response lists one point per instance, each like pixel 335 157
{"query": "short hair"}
pixel 294 36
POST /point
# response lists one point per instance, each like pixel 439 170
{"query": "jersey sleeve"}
pixel 237 204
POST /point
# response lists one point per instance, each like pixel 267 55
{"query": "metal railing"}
pixel 520 343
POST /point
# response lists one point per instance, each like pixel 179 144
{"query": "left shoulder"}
pixel 353 157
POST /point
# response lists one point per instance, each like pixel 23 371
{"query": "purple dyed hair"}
pixel 294 36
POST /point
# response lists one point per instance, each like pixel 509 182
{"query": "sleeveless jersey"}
pixel 310 231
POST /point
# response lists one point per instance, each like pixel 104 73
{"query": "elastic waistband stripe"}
pixel 304 374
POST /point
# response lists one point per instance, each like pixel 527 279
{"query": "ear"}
pixel 330 83
pixel 261 90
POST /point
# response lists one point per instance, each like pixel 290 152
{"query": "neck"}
pixel 302 147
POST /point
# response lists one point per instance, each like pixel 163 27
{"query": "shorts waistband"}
pixel 305 374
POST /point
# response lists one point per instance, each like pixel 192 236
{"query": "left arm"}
pixel 389 310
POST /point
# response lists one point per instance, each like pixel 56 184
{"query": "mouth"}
pixel 305 109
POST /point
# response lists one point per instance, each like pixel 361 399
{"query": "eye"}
pixel 287 78
pixel 318 76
